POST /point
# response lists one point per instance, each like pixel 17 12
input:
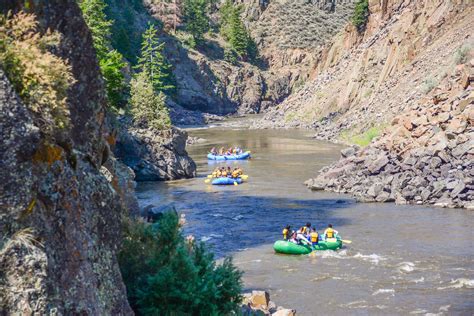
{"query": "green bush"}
pixel 361 15
pixel 186 39
pixel 364 138
pixel 165 275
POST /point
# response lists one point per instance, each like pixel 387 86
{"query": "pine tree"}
pixel 152 61
pixel 195 16
pixel 148 107
pixel 238 37
pixel 110 61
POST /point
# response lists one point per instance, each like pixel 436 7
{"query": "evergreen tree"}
pixel 238 37
pixel 152 61
pixel 196 19
pixel 148 107
pixel 110 61
pixel 165 275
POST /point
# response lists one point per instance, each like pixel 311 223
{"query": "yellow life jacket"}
pixel 224 173
pixel 235 174
pixel 329 233
pixel 285 234
pixel 314 237
pixel 218 174
pixel 304 230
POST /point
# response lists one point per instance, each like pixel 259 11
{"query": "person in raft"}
pixel 314 237
pixel 305 230
pixel 213 151
pixel 330 232
pixel 286 232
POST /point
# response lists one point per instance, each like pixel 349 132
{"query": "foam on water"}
pixel 237 218
pixel 373 258
pixel 460 283
pixel 384 291
pixel 406 267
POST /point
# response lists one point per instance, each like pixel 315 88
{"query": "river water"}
pixel 403 259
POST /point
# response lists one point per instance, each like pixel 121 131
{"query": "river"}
pixel 403 259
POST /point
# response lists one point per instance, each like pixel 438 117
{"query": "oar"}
pixel 235 183
pixel 244 177
pixel 346 241
pixel 207 180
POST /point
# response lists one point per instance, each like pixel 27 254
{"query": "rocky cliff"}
pixel 363 80
pixel 60 216
pixel 426 156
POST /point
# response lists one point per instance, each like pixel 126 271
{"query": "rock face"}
pixel 361 80
pixel 59 217
pixel 425 157
pixel 155 155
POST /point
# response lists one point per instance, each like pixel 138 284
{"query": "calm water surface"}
pixel 403 259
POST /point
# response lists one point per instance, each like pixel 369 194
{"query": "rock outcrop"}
pixel 259 303
pixel 154 155
pixel 59 216
pixel 425 157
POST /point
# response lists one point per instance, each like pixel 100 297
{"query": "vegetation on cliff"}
pixel 39 77
pixel 361 14
pixel 168 275
pixel 110 60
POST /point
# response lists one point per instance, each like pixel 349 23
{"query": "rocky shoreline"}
pixel 425 157
pixel 154 155
pixel 258 303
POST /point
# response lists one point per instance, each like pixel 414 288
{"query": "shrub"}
pixel 186 39
pixel 165 275
pixel 147 107
pixel 461 55
pixel 230 55
pixel 428 85
pixel 363 139
pixel 39 77
pixel 361 15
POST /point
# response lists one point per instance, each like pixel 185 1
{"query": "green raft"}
pixel 289 248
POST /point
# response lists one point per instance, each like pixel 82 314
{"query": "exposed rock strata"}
pixel 362 80
pixel 155 155
pixel 425 157
pixel 60 217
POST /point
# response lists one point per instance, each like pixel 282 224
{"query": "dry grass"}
pixel 23 238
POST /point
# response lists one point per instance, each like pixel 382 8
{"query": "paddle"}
pixel 207 180
pixel 346 241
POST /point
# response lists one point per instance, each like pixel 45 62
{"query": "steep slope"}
pixel 60 216
pixel 425 157
pixel 364 80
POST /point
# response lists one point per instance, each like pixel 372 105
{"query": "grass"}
pixel 22 238
pixel 428 85
pixel 363 139
pixel 462 53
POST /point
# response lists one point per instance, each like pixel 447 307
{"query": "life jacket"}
pixel 314 237
pixel 304 230
pixel 329 233
pixel 224 173
pixel 235 174
pixel 285 234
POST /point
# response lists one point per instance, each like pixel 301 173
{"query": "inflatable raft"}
pixel 289 248
pixel 243 156
pixel 226 181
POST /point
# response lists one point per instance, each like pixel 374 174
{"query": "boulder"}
pixel 377 165
pixel 260 299
pixel 285 312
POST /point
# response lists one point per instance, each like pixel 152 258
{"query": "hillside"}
pixel 205 80
pixel 362 80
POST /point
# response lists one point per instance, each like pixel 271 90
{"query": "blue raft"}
pixel 243 156
pixel 226 181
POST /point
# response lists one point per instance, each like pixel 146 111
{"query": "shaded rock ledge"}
pixel 154 155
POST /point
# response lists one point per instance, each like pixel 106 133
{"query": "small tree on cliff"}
pixel 148 107
pixel 152 62
pixel 110 61
pixel 360 15
pixel 196 19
